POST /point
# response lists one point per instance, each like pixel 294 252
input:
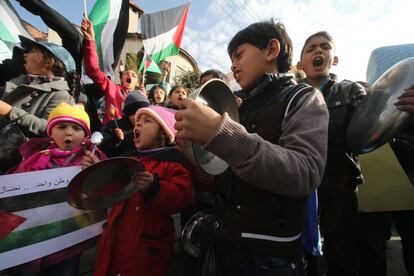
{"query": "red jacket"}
pixel 139 235
pixel 115 94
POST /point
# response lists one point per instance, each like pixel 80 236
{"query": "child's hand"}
pixel 196 122
pixel 5 108
pixel 143 180
pixel 87 29
pixel 89 159
pixel 119 133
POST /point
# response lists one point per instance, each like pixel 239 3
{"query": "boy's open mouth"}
pixel 318 61
pixel 128 80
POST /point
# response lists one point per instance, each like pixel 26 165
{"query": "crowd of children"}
pixel 289 142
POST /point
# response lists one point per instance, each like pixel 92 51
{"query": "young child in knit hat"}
pixel 139 236
pixel 67 130
pixel 119 134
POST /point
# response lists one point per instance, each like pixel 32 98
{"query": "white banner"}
pixel 49 224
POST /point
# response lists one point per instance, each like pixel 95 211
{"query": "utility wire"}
pixel 240 13
pixel 253 15
pixel 229 14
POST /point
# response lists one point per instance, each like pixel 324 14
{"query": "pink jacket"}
pixel 42 154
pixel 115 94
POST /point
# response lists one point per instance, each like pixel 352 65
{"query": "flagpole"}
pixel 143 72
pixel 85 11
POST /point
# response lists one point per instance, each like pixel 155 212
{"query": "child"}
pixel 139 236
pixel 338 204
pixel 276 155
pixel 337 192
pixel 28 99
pixel 156 95
pixel 67 130
pixel 115 94
pixel 213 74
pixel 176 95
pixel 119 134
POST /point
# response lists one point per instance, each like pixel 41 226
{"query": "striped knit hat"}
pixel 68 113
pixel 164 116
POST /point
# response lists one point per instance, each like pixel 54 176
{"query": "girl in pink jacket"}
pixel 68 128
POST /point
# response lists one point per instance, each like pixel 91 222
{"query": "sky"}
pixel 357 26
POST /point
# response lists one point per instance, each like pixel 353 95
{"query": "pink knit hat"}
pixel 68 113
pixel 164 116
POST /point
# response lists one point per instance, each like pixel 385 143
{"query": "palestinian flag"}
pixel 162 32
pixel 11 27
pixel 35 218
pixel 110 20
pixel 150 65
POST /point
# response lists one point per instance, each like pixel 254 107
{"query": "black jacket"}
pixel 111 145
pixel 342 172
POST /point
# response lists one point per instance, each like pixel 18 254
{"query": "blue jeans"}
pixel 233 261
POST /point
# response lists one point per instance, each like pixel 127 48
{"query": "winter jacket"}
pixel 42 154
pixel 115 94
pixel 279 164
pixel 32 103
pixel 112 145
pixel 139 235
pixel 342 172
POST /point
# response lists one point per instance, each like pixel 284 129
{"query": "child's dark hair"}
pixel 151 93
pixel 216 74
pixel 324 34
pixel 73 80
pixel 59 70
pixel 175 87
pixel 259 34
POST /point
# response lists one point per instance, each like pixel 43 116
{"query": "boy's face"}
pixel 318 57
pixel 147 132
pixel 67 135
pixel 129 80
pixel 177 96
pixel 248 64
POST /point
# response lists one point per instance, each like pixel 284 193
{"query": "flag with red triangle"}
pixel 162 33
pixel 9 222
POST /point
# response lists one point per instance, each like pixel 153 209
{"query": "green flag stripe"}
pixel 170 50
pixel 48 231
pixel 99 16
pixel 5 34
